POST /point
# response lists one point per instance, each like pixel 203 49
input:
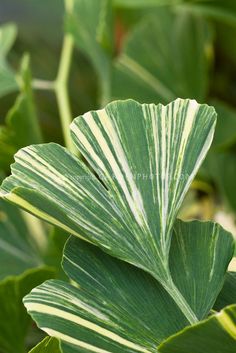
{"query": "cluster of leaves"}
pixel 151 51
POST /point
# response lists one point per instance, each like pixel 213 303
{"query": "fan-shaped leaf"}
pixel 117 307
pixel 146 156
pixel 215 335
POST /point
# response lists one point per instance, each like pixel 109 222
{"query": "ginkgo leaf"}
pixel 18 247
pixel 199 257
pixel 156 76
pixel 227 295
pixel 145 157
pixel 114 306
pixel 214 335
pixel 47 345
pixel 117 307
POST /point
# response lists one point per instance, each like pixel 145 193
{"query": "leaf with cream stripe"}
pixel 199 257
pixel 145 155
pixel 47 345
pixel 214 335
pixel 116 307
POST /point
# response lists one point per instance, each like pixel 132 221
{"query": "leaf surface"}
pixel 21 119
pixel 199 257
pixel 48 345
pixel 157 76
pixel 214 335
pixel 14 321
pixel 90 24
pixel 227 295
pixel 117 307
pixel 8 81
pixel 18 247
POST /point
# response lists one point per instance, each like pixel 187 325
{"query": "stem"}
pixel 180 301
pixel 61 84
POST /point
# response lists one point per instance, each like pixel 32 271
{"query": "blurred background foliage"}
pixel 60 59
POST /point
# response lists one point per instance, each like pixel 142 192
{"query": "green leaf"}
pixel 8 81
pixel 214 335
pixel 18 247
pixel 55 245
pixel 119 308
pixel 20 120
pixel 222 168
pixel 199 257
pixel 114 306
pixel 225 134
pixel 14 321
pixel 178 48
pixel 48 345
pixel 90 24
pixel 133 219
pixel 222 10
pixel 228 294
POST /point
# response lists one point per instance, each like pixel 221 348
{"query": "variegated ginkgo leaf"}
pixel 214 335
pixel 115 307
pixel 145 155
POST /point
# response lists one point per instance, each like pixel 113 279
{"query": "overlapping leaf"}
pixel 48 345
pixel 199 258
pixel 227 295
pixel 116 307
pixel 215 335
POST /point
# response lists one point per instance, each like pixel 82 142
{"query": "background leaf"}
pixel 12 311
pixel 199 257
pixel 18 248
pixel 156 77
pixel 8 82
pixel 22 126
pixel 90 24
pixel 227 295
